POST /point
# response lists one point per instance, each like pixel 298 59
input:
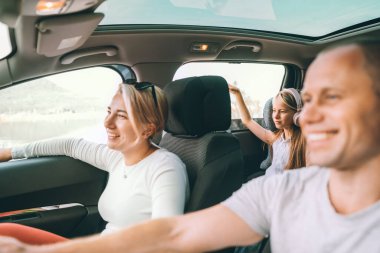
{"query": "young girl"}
pixel 287 145
pixel 145 181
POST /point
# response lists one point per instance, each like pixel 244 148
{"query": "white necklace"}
pixel 125 174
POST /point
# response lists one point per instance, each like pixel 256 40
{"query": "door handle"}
pixel 20 217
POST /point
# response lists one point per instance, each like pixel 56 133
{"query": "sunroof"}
pixel 298 17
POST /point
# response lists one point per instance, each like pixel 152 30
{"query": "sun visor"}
pixel 59 35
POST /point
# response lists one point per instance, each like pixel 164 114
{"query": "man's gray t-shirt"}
pixel 294 208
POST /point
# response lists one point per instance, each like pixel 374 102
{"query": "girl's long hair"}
pixel 297 156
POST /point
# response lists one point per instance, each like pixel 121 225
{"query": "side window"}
pixel 257 81
pixel 71 104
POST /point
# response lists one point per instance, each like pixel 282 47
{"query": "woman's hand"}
pixel 5 154
pixel 11 245
pixel 233 89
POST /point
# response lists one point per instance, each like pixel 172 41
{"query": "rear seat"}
pixel 256 153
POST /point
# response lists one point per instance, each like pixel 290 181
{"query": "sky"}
pixel 97 82
pixel 304 17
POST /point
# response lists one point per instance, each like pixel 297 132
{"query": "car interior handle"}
pixel 19 217
pixel 256 47
pixel 71 57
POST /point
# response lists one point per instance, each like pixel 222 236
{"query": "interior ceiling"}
pixel 145 48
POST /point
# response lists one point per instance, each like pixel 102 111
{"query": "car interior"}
pixel 151 40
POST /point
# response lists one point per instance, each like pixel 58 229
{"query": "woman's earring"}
pixel 146 134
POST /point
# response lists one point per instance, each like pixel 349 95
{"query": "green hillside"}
pixel 48 98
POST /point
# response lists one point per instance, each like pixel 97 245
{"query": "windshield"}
pixel 297 17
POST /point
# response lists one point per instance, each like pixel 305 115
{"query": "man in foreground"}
pixel 331 209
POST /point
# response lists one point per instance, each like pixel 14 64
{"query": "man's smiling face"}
pixel 340 118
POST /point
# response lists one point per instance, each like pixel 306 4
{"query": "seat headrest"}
pixel 198 105
pixel 268 124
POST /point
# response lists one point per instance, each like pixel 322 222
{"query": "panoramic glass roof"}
pixel 299 17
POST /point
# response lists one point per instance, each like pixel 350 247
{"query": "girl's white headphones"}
pixel 298 99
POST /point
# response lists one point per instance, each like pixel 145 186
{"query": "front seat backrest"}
pixel 199 115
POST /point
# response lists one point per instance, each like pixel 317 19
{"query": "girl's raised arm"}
pixel 263 134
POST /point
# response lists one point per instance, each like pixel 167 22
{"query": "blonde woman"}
pixel 287 144
pixel 145 181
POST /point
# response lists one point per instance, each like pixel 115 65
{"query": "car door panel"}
pixel 52 182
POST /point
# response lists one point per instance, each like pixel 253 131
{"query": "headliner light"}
pixel 204 47
pixel 200 47
pixel 47 7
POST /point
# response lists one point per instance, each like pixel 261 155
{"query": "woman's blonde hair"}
pixel 297 154
pixel 144 108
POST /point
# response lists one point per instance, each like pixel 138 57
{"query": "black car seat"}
pixel 199 115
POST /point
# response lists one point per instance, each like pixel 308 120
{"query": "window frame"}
pixel 292 77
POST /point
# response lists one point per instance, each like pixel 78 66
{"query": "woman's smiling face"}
pixel 119 125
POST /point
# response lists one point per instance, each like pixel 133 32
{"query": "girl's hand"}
pixel 233 89
pixel 5 154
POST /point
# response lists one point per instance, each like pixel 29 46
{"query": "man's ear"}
pixel 150 130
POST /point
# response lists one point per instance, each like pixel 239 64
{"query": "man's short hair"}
pixel 371 52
